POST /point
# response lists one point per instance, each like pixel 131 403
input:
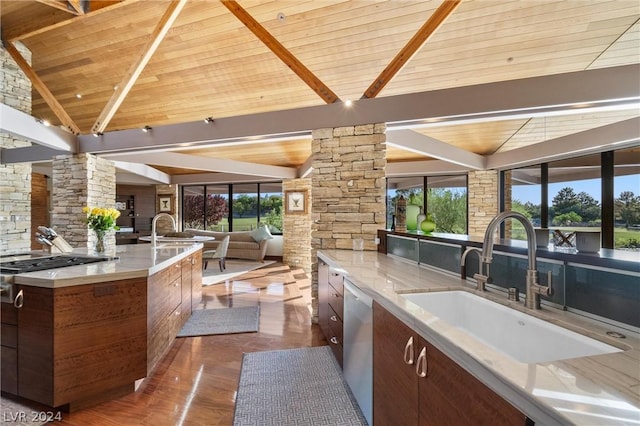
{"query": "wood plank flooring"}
pixel 196 382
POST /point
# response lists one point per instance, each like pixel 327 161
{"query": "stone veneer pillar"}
pixel 483 200
pixel 296 229
pixel 348 190
pixel 78 181
pixel 15 179
pixel 163 225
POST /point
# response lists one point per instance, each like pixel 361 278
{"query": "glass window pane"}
pixel 575 194
pixel 245 207
pixel 447 203
pixel 217 210
pixel 526 198
pixel 411 188
pixel 626 192
pixel 193 207
pixel 271 206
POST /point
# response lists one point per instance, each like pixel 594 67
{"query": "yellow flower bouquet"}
pixel 101 220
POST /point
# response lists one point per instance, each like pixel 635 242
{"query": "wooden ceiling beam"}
pixel 158 34
pixel 42 89
pixel 281 52
pixel 60 5
pixel 417 41
pixel 36 27
pixel 77 6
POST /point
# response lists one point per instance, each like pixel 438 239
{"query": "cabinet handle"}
pixel 18 302
pixel 334 340
pixel 421 364
pixel 333 318
pixel 336 295
pixel 408 351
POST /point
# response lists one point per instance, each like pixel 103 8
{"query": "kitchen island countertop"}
pixel 132 261
pixel 602 389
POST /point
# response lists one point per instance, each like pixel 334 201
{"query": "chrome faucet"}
pixel 481 279
pixel 533 289
pixel 153 226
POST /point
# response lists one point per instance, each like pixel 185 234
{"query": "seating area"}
pixel 219 253
pixel 251 245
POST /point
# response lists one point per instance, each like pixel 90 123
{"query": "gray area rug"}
pixel 16 414
pixel 294 387
pixel 222 321
pixel 235 268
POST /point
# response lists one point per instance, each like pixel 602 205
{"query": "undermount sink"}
pixel 522 337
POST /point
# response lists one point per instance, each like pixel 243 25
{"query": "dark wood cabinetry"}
pixel 416 384
pixel 9 348
pixel 331 307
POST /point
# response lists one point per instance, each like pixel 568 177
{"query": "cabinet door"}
pixel 185 306
pixel 395 383
pixel 449 395
pixel 196 280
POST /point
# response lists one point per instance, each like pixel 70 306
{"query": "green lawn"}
pixel 622 236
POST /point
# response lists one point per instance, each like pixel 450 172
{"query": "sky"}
pixel 531 193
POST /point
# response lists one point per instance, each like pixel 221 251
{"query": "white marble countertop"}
pixel 594 390
pixel 133 261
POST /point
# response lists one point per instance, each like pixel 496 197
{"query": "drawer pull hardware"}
pixel 334 340
pixel 333 318
pixel 421 365
pixel 408 351
pixel 336 295
pixel 18 302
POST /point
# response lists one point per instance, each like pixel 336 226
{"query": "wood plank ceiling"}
pixel 100 66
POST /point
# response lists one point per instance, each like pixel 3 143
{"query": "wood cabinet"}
pixel 331 307
pixel 79 345
pixel 416 384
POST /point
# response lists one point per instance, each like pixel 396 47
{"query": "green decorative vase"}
pixel 412 217
pixel 427 225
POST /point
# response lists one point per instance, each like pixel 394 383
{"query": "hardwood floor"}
pixel 196 382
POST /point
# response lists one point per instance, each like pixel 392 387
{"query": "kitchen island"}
pixel 601 389
pixel 85 334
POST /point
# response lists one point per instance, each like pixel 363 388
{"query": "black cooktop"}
pixel 50 262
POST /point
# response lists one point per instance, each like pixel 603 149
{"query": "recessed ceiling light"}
pixel 79 95
pixel 348 103
pixel 281 17
pixel 146 129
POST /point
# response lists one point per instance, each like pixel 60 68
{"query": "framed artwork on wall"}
pixel 295 202
pixel 165 203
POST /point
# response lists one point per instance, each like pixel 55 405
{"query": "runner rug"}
pixel 294 387
pixel 222 321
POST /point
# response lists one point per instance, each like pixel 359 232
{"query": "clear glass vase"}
pixel 101 242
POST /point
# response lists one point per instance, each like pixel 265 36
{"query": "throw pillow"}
pixel 261 233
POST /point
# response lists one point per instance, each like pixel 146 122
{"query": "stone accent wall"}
pixel 296 249
pixel 78 181
pixel 508 224
pixel 163 225
pixel 39 204
pixel 15 179
pixel 483 200
pixel 348 190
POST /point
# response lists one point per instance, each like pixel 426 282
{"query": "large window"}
pixel 580 196
pixel 209 207
pixel 445 203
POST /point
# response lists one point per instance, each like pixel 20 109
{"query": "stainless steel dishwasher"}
pixel 357 347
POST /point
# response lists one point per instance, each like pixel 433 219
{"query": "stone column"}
pixel 348 190
pixel 483 200
pixel 296 249
pixel 78 181
pixel 163 225
pixel 15 179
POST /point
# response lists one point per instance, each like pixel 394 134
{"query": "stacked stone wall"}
pixel 296 248
pixel 483 200
pixel 15 179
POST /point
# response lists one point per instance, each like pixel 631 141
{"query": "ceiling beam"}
pixel 29 154
pixel 604 138
pixel 216 178
pixel 281 52
pixel 60 5
pixel 185 161
pixel 142 170
pixel 77 6
pixel 423 168
pixel 410 140
pixel 576 91
pixel 42 89
pixel 25 126
pixel 36 27
pixel 417 41
pixel 123 88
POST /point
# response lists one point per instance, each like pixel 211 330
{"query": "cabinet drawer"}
pixel 336 280
pixel 175 271
pixel 9 336
pixel 175 294
pixel 336 301
pixel 336 327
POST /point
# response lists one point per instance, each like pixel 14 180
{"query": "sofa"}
pixel 250 245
